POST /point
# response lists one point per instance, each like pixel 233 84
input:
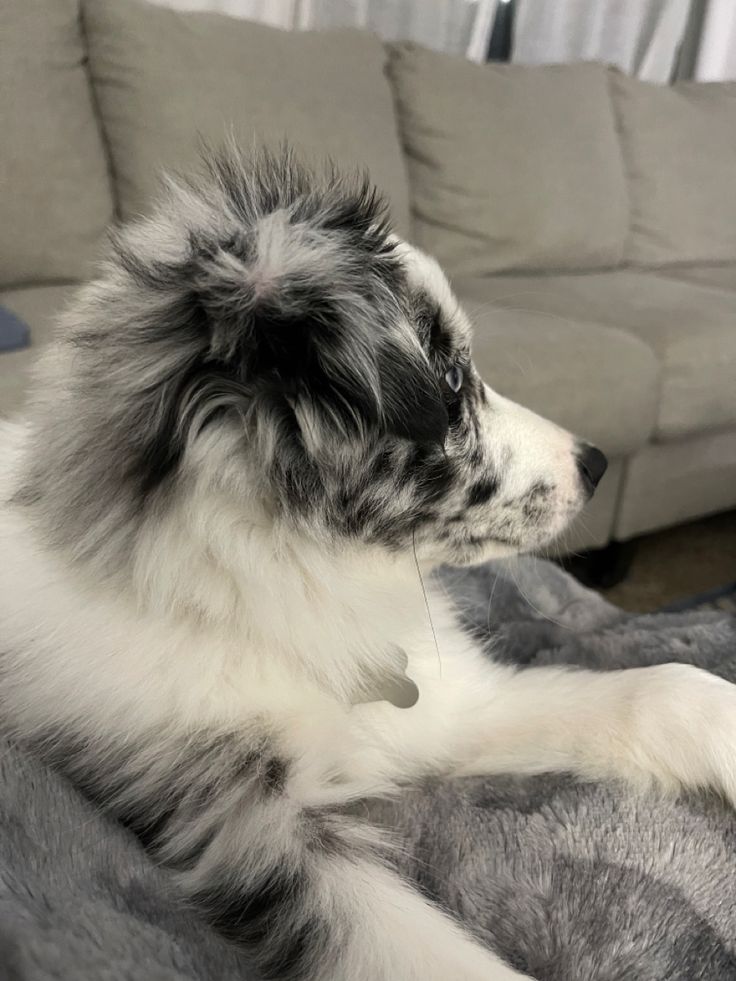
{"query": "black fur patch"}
pixel 455 413
pixel 441 341
pixel 433 332
pixel 481 492
pixel 274 774
pixel 432 473
pixel 414 409
pixel 268 917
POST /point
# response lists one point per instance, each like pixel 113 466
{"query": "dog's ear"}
pixel 288 315
pixel 413 406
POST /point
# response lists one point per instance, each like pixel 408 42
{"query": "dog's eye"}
pixel 454 378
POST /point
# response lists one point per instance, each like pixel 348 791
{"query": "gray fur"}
pixel 574 882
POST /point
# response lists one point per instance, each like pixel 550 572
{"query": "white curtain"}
pixel 642 37
pixel 716 57
pixel 457 26
pixel 278 13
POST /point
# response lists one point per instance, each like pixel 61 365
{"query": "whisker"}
pixel 426 599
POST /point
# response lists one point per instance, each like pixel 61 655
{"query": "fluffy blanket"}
pixel 570 882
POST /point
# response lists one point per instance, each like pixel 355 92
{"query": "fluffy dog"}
pixel 250 424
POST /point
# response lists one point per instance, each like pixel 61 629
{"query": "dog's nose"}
pixel 592 465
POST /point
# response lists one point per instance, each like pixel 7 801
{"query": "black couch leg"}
pixel 601 568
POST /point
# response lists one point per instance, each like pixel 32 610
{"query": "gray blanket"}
pixel 570 882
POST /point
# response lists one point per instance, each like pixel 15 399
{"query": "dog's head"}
pixel 266 336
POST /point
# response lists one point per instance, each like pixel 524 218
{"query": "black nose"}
pixel 592 465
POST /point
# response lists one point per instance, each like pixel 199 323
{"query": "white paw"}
pixel 683 727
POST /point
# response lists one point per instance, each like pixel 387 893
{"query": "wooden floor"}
pixel 684 561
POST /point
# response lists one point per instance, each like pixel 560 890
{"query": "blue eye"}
pixel 454 378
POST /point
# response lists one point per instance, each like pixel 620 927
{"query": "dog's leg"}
pixel 674 724
pixel 261 848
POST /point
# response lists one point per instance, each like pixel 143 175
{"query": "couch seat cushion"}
pixel 679 146
pixel 722 277
pixel 55 197
pixel 165 78
pixel 668 483
pixel 691 328
pixel 37 306
pixel 599 382
pixel 512 167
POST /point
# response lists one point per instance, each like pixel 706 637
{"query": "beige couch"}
pixel 588 220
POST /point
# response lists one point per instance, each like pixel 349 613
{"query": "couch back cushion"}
pixel 164 79
pixel 679 145
pixel 55 197
pixel 511 167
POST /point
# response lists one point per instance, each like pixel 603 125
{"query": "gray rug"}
pixel 570 882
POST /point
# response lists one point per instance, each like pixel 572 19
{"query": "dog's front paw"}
pixel 683 728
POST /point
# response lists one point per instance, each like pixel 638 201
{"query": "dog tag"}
pixel 393 686
pixel 401 691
